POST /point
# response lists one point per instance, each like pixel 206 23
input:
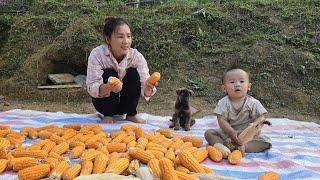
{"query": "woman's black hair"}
pixel 111 23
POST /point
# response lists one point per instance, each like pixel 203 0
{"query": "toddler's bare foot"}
pixel 229 145
pixel 136 119
pixel 242 149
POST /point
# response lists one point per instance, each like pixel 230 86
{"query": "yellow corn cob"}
pixel 116 147
pixel 235 157
pixel 69 133
pixel 104 141
pixel 84 138
pixel 30 153
pixel 118 167
pixel 25 131
pixel 114 81
pixel 269 176
pixel 76 143
pixel 104 150
pixel 15 135
pixel 60 148
pixel 128 139
pixel 3 165
pixel 34 147
pixel 34 172
pixel 154 166
pixel 58 131
pixel 157 148
pixel 207 170
pixel 5 143
pixel 76 127
pixel 247 134
pixel 89 155
pixel 191 149
pixel 86 132
pixel 142 142
pixel 154 78
pixel 177 138
pixel 23 162
pixel 176 144
pixel 75 138
pixel 196 141
pixel 166 143
pixel 58 171
pixel 72 172
pixel 138 132
pixel 10 160
pixel 168 133
pixel 119 138
pixel 57 156
pixel 185 176
pixel 125 155
pixel 141 155
pixel 187 160
pixel 100 163
pixel 182 169
pixel 214 154
pixel 57 139
pixel 97 130
pixel 151 136
pixel 15 142
pixel 51 126
pixel 159 139
pixel 101 135
pixel 176 161
pixel 183 146
pixel 44 134
pixel 49 146
pixel 131 144
pixel 4 127
pixel 170 154
pixel 116 133
pixel 156 153
pixel 152 144
pixel 86 168
pixel 167 170
pixel 32 133
pixel 94 145
pixel 3 152
pixel 93 126
pixel 5 132
pixel 128 127
pixel 200 155
pixel 91 140
pixel 53 162
pixel 76 152
pixel 43 142
pixel 113 157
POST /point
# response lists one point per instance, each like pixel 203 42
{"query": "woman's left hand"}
pixel 148 89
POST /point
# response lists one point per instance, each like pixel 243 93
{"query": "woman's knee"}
pixel 132 75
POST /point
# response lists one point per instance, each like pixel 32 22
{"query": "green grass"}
pixel 190 42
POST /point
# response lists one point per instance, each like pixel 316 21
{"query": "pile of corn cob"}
pixel 120 152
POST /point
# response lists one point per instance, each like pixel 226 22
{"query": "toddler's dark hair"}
pixel 111 23
pixel 233 67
